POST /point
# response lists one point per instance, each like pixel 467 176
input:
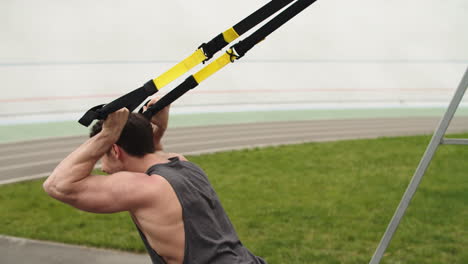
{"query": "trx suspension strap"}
pixel 205 52
pixel 234 53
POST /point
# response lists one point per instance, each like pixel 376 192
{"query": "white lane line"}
pixel 31 164
pixel 221 135
pixel 300 133
pixel 288 131
pixel 325 123
pixel 196 136
pixel 337 136
pixel 45 139
pixel 182 131
pixel 25 178
pixel 248 126
pixel 278 130
pixel 34 177
pixel 310 126
pixel 174 132
pixel 213 150
pixel 224 133
pixel 264 145
pixel 310 134
pixel 39 153
pixel 42 145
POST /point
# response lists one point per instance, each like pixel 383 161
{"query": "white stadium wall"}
pixel 59 58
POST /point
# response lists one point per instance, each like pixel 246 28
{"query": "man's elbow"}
pixel 48 186
pixel 61 192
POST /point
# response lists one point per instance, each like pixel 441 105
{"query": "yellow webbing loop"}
pixel 213 67
pixel 230 35
pixel 178 70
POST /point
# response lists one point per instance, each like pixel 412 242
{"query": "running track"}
pixel 36 159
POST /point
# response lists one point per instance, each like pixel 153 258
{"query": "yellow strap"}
pixel 230 35
pixel 213 67
pixel 178 70
pixel 193 60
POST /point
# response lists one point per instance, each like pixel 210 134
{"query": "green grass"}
pixel 310 203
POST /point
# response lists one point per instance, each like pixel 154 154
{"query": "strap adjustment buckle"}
pixel 208 56
pixel 233 55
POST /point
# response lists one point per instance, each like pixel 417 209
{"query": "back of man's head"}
pixel 136 138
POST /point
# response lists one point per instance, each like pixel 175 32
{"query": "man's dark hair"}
pixel 136 138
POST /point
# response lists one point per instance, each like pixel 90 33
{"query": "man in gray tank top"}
pixel 175 209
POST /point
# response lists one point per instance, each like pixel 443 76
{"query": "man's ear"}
pixel 115 151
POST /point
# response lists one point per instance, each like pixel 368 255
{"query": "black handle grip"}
pixel 173 95
pixel 131 101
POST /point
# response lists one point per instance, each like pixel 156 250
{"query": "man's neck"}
pixel 143 164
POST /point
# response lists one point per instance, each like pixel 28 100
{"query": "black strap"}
pixel 136 97
pixel 249 42
pixel 240 48
pixel 218 42
pixel 173 95
pixel 131 101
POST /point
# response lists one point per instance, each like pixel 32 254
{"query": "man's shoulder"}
pixel 138 179
pixel 153 185
pixel 169 155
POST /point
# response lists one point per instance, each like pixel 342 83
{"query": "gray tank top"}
pixel 209 234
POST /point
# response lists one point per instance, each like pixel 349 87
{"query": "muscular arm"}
pixel 158 133
pixel 72 183
pixel 160 123
pixel 79 164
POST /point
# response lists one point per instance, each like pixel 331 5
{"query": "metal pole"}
pixel 418 175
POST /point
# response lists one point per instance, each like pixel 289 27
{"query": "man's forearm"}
pixel 79 164
pixel 160 123
pixel 158 133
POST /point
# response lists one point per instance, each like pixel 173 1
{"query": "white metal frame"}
pixel 437 139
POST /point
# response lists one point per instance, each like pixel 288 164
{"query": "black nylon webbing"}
pixel 245 45
pixel 218 42
pixel 134 98
pixel 241 48
pixel 260 15
pixel 173 95
pixel 130 101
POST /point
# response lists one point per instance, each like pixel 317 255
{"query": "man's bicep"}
pixel 118 192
